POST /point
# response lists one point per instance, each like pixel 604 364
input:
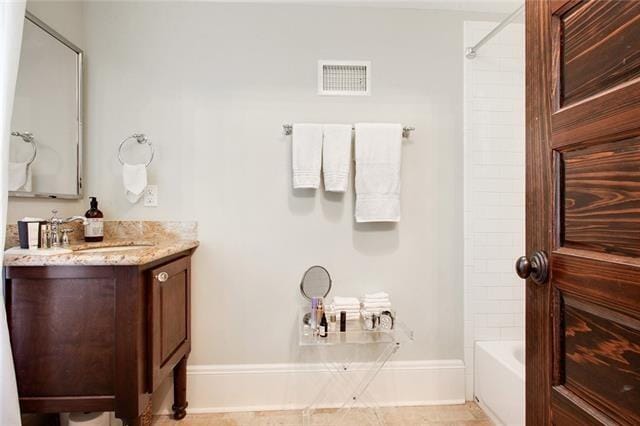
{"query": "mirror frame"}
pixel 79 94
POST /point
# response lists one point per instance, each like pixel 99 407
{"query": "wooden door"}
pixel 583 212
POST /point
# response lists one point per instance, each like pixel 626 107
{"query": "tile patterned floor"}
pixel 441 415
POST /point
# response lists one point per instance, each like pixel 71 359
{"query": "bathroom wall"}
pixel 212 84
pixel 493 188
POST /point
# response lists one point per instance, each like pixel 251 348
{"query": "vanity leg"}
pixel 180 389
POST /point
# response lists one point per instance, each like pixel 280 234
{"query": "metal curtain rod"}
pixel 472 52
pixel 406 130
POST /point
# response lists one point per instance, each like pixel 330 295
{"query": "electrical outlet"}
pixel 151 196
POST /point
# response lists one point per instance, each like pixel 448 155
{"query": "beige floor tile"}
pixel 445 415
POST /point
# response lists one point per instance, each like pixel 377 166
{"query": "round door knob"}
pixel 162 277
pixel 536 268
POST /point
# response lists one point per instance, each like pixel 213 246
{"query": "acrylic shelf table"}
pixel 380 345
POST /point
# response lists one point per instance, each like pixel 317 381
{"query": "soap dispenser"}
pixel 94 229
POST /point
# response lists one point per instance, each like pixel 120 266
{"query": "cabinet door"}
pixel 169 317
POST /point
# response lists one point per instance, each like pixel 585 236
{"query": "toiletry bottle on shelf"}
pixel 94 229
pixel 323 325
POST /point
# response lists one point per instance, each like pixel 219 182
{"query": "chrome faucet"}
pixel 55 222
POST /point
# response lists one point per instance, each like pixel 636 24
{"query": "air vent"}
pixel 344 78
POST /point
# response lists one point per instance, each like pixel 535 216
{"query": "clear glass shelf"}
pixel 356 334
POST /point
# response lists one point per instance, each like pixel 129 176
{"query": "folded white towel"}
pixel 368 305
pixel 338 309
pixel 378 158
pixel 134 178
pixel 378 295
pixel 336 156
pixel 342 300
pixel 20 176
pixel 306 148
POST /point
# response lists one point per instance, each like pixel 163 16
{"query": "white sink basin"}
pixel 112 248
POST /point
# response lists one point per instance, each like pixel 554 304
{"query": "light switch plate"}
pixel 151 196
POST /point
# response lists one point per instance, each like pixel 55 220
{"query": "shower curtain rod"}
pixel 472 52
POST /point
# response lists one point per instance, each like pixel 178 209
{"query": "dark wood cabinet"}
pixel 100 338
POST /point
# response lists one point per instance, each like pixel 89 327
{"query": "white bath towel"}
pixel 336 156
pixel 20 176
pixel 134 178
pixel 306 147
pixel 378 158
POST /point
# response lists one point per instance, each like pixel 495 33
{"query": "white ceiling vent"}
pixel 344 78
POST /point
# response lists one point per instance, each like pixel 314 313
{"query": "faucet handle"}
pixel 65 236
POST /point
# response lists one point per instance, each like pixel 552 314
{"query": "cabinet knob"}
pixel 162 277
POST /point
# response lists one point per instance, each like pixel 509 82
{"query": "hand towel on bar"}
pixel 20 176
pixel 306 146
pixel 378 158
pixel 134 178
pixel 336 156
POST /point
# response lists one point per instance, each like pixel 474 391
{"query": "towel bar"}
pixel 406 130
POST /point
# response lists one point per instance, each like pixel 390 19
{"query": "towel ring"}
pixel 140 138
pixel 28 138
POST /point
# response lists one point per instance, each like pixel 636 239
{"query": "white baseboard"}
pixel 262 387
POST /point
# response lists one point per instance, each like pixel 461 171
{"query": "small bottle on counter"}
pixel 94 229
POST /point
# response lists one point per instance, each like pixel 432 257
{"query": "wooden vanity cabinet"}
pixel 100 338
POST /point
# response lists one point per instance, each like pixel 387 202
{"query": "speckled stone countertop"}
pixel 158 240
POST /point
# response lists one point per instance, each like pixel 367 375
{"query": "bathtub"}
pixel 499 380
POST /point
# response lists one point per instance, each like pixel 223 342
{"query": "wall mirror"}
pixel 46 127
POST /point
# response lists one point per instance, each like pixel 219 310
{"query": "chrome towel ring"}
pixel 140 138
pixel 28 138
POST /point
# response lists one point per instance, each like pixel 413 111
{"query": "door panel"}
pixel 601 196
pixel 583 145
pixel 599 47
pixel 601 348
pixel 170 326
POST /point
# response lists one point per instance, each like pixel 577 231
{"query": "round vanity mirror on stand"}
pixel 316 282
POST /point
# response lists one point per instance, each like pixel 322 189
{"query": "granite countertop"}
pixel 163 239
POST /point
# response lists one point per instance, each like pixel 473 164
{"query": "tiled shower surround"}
pixel 494 173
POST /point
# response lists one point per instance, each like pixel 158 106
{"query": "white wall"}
pixel 493 188
pixel 212 84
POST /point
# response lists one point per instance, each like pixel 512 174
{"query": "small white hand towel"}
pixel 134 178
pixel 336 156
pixel 19 176
pixel 378 159
pixel 306 146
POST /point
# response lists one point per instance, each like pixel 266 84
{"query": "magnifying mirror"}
pixel 316 282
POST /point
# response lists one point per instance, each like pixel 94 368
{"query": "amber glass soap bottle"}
pixel 94 229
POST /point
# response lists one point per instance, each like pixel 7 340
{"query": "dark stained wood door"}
pixel 583 212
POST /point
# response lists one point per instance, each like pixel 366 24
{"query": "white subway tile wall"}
pixel 494 171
